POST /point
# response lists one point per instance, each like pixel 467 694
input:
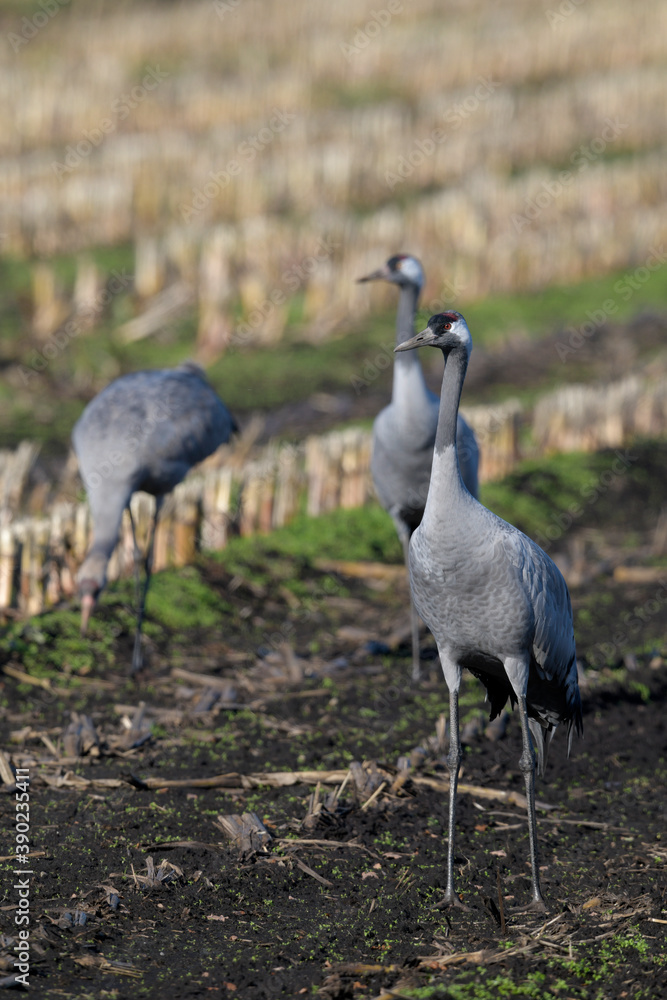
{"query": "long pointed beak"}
pixel 422 339
pixel 87 606
pixel 382 274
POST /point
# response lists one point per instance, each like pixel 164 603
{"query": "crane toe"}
pixel 451 901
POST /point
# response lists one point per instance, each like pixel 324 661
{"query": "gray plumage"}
pixel 145 431
pixel 404 431
pixel 494 601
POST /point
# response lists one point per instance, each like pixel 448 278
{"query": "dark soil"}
pixel 136 891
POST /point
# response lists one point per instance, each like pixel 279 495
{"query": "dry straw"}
pixel 509 158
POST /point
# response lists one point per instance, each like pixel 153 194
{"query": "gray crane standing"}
pixel 404 431
pixel 494 601
pixel 144 431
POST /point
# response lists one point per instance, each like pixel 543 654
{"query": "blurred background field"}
pixel 208 179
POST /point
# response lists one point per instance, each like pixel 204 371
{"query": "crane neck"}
pixel 104 541
pixel 107 501
pixel 405 315
pixel 446 484
pixel 409 388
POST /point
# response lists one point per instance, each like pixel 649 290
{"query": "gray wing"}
pixel 149 428
pixel 186 423
pixel 553 689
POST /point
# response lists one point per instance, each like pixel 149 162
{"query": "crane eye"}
pixel 448 326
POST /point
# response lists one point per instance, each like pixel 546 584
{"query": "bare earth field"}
pixel 137 891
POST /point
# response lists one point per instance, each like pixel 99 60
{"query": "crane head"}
pixel 402 269
pixel 447 330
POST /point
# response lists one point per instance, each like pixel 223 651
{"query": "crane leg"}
pixel 453 763
pixel 454 758
pixel 416 658
pixel 137 559
pixel 404 535
pixel 137 659
pixel 527 765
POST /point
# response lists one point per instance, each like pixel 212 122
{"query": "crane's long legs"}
pixel 453 763
pixel 137 559
pixel 527 765
pixel 137 661
pixel 404 536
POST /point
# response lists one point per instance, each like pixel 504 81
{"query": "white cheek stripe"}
pixel 412 270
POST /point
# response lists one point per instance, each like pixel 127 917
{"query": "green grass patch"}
pixel 364 533
pixel 180 599
pixel 50 646
pixel 533 986
pixel 593 969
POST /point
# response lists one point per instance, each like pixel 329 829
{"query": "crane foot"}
pixel 450 901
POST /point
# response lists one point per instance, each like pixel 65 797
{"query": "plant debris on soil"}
pixel 263 812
